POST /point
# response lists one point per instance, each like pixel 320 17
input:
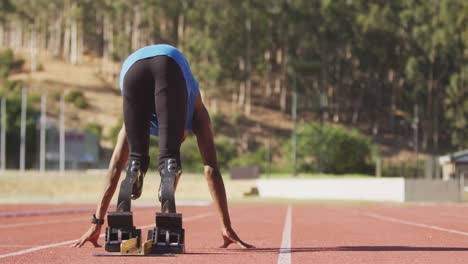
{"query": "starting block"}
pixel 168 237
pixel 120 229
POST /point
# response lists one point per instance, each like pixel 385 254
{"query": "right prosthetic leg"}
pixel 120 223
pixel 168 236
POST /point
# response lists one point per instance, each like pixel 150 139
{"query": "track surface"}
pixel 282 233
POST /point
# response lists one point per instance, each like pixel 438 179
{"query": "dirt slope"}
pixel 55 77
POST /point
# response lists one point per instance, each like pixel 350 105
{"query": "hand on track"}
pixel 230 237
pixel 92 235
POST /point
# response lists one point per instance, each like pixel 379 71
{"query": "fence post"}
pixel 378 167
pixel 62 136
pixel 2 136
pixel 42 158
pixel 23 130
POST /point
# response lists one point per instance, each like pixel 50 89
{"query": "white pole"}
pixel 62 136
pixel 378 166
pixel 43 134
pixel 415 132
pixel 2 136
pixel 294 135
pixel 23 131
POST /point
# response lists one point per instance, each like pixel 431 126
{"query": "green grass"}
pixel 86 187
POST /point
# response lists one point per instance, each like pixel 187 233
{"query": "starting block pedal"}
pixel 131 247
pixel 121 229
pixel 168 237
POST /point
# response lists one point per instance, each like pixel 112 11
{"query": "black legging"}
pixel 154 84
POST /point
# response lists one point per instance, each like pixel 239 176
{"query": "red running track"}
pixel 282 233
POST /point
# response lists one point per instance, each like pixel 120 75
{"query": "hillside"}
pixel 105 107
pixel 55 77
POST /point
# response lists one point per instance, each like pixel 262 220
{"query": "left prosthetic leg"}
pixel 120 223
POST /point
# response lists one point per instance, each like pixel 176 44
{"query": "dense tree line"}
pixel 376 64
pixel 11 92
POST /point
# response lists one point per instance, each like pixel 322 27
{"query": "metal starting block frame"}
pixel 168 237
pixel 120 228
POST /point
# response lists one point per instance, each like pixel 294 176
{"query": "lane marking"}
pixel 284 256
pixel 141 205
pixel 29 250
pixel 42 222
pixel 20 246
pixel 405 222
pixel 33 249
pixel 27 246
pixel 46 212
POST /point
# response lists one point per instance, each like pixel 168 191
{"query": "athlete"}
pixel 161 97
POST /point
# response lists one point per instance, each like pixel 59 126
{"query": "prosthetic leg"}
pixel 120 223
pixel 168 236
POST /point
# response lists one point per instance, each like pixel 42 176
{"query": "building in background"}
pixel 81 149
pixel 455 165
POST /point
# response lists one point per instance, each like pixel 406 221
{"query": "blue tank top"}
pixel 178 57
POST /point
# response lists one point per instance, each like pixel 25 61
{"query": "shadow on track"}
pixel 302 250
pixel 106 254
pixel 352 248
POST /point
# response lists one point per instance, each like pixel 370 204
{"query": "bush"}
pixel 190 156
pixel 114 132
pixel 9 63
pixel 189 152
pixel 77 98
pixel 236 119
pixel 216 120
pixel 95 129
pixel 332 149
pixel 13 127
pixel 251 158
pixel 40 67
pixel 56 95
pixel 81 103
pixel 226 151
pixel 407 169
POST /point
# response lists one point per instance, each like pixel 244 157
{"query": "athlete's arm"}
pixel 205 139
pixel 116 165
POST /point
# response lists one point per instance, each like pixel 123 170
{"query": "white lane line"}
pixel 27 246
pixel 29 250
pixel 405 222
pixel 33 249
pixel 284 256
pixel 18 246
pixel 43 222
pixel 141 205
pixel 45 212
